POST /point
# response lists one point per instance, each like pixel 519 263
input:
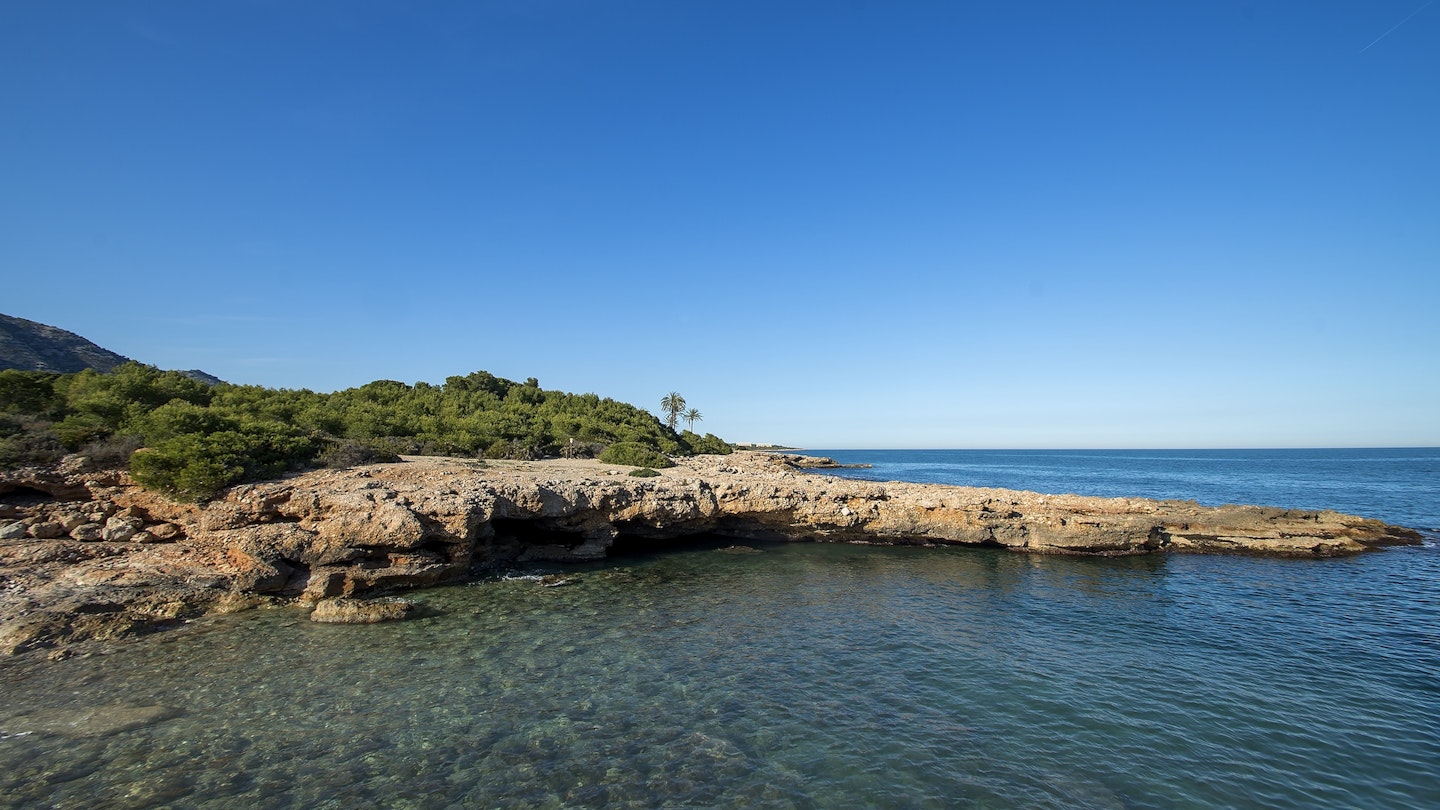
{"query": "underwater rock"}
pixel 362 611
pixel 92 721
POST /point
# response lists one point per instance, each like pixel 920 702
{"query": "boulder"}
pixel 122 527
pixel 47 530
pixel 70 520
pixel 88 532
pixel 362 611
pixel 166 532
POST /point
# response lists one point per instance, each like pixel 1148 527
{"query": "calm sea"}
pixel 809 676
pixel 1397 485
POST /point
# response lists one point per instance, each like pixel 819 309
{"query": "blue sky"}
pixel 833 224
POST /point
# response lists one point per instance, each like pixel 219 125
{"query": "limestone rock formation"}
pixel 88 555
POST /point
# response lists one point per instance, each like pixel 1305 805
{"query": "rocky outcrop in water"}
pixel 362 611
pixel 799 462
pixel 89 555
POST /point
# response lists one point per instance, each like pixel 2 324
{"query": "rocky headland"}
pixel 87 555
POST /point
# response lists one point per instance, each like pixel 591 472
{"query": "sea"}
pixel 808 675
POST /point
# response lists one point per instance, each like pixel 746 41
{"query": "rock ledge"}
pixel 88 555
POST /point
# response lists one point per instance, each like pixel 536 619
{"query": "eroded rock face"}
pixel 131 560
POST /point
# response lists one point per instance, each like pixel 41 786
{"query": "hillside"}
pixel 191 440
pixel 30 346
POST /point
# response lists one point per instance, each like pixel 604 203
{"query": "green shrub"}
pixel 644 472
pixel 582 450
pixel 352 453
pixel 516 450
pixel 194 467
pixel 112 451
pixel 27 440
pixel 200 439
pixel 29 392
pixel 397 446
pixel 709 444
pixel 79 429
pixel 178 418
pixel 635 455
pixel 189 468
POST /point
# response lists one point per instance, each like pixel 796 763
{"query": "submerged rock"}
pixel 92 721
pixel 362 611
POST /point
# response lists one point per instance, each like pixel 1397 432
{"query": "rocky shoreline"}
pixel 86 555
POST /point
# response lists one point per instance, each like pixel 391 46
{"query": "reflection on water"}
pixel 806 676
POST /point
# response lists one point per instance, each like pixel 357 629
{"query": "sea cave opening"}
pixel 523 532
pixel 512 535
pixel 633 539
pixel 630 545
pixel 21 495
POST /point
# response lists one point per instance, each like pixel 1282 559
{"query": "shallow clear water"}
pixel 803 676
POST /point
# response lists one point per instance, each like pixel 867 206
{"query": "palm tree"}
pixel 673 405
pixel 692 416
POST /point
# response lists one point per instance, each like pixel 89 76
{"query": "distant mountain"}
pixel 201 377
pixel 30 346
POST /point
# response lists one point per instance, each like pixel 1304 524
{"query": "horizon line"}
pixel 1139 449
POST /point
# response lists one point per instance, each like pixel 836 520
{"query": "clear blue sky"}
pixel 834 224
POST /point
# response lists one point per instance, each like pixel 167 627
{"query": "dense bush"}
pixel 635 455
pixel 28 440
pixel 199 439
pixel 515 449
pixel 350 453
pixel 197 466
pixel 30 392
pixel 707 445
pixel 112 451
pixel 581 449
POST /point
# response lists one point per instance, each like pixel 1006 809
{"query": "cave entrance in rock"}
pixel 511 535
pixel 533 533
pixel 628 544
pixel 21 495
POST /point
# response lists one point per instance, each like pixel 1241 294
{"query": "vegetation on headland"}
pixel 634 454
pixel 192 440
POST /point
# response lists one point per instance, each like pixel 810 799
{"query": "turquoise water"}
pixel 802 676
